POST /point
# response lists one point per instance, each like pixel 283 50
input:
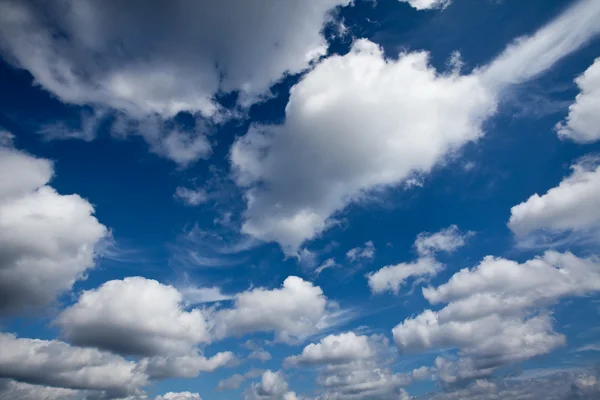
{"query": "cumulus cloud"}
pixel 360 122
pixel 392 277
pixel 166 59
pixel 191 197
pixel 496 312
pixel 582 125
pixel 335 349
pixel 58 364
pixel 569 208
pixel 236 380
pixel 47 240
pixel 179 396
pixel 13 390
pixel 272 386
pixel 427 4
pixel 359 253
pixel 293 312
pixel 134 316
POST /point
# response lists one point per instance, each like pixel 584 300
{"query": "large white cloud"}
pixel 135 316
pixel 335 349
pixel 166 59
pixel 583 122
pixel 361 122
pixel 570 207
pixel 293 312
pixel 272 386
pixel 57 364
pixel 47 240
pixel 496 312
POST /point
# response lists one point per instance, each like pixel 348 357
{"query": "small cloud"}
pixel 359 253
pixel 191 197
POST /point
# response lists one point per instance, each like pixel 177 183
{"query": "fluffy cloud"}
pixel 235 380
pixel 57 364
pixel 179 396
pixel 188 366
pixel 361 122
pixel 551 386
pixel 295 311
pixel 571 207
pixel 272 386
pixel 583 123
pixel 495 312
pixel 446 240
pixel 164 60
pixel 191 197
pixel 358 253
pixel 427 4
pixel 392 277
pixel 47 240
pixel 134 316
pixel 335 349
pixel 13 390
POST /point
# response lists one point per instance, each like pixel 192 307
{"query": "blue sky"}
pixel 326 199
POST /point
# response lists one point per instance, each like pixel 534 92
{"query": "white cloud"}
pixel 179 396
pixel 571 207
pixel 329 263
pixel 166 59
pixel 496 312
pixel 272 386
pixel 446 240
pixel 393 277
pixel 47 240
pixel 57 364
pixel 295 311
pixel 335 349
pixel 236 380
pixel 358 253
pixel 427 4
pixel 187 366
pixel 191 197
pixel 13 390
pixel 135 316
pixel 260 354
pixel 582 125
pixel 359 122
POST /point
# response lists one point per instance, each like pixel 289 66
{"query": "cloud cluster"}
pixel 359 122
pixel 495 312
pixel 569 208
pixel 47 240
pixel 392 277
pixel 582 125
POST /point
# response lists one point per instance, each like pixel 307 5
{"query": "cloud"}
pixel 13 390
pixel 496 312
pixel 427 4
pixel 335 349
pixel 392 277
pixel 47 240
pixel 358 253
pixel 58 364
pixel 187 54
pixel 260 354
pixel 446 240
pixel 272 386
pixel 293 312
pixel 179 396
pixel 236 380
pixel 191 197
pixel 186 366
pixel 358 123
pixel 556 386
pixel 582 125
pixel 136 316
pixel 329 263
pixel 569 208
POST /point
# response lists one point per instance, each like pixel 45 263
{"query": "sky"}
pixel 284 200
